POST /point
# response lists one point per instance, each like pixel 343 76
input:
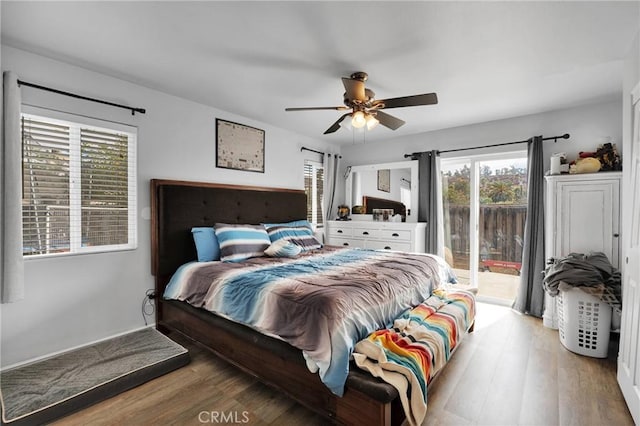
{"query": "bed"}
pixel 177 207
pixel 369 203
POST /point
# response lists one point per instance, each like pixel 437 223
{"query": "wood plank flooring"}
pixel 510 371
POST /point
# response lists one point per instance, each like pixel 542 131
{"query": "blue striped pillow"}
pixel 298 232
pixel 241 242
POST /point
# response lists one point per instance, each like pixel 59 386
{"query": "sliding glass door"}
pixel 484 201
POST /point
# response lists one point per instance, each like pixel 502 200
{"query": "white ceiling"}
pixel 485 60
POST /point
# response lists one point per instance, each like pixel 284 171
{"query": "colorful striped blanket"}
pixel 420 343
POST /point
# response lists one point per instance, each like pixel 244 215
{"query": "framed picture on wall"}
pixel 239 147
pixel 384 180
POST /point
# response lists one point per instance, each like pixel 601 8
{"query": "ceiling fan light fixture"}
pixel 358 120
pixel 371 121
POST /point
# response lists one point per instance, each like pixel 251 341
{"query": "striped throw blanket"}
pixel 420 343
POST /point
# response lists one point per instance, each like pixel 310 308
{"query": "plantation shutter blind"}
pixel 313 186
pixel 104 189
pixel 45 206
pixel 78 187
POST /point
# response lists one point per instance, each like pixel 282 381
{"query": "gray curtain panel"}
pixel 530 297
pixel 11 263
pixel 331 163
pixel 429 204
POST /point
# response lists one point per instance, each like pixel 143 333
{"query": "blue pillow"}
pixel 241 242
pixel 283 248
pixel 298 232
pixel 206 242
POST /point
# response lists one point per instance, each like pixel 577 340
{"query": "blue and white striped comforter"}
pixel 322 302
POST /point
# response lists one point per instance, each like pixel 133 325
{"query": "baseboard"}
pixel 93 342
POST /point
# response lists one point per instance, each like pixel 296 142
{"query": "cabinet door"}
pixel 588 218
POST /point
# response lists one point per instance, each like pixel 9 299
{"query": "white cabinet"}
pixel 583 215
pixel 401 236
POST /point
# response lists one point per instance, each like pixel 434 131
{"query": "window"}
pixel 313 187
pixel 79 185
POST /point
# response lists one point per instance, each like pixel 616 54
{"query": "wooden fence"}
pixel 501 232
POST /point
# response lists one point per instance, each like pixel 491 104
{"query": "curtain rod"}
pixel 555 139
pixel 73 95
pixel 304 148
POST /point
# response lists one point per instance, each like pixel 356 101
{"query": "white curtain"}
pixel 331 163
pixel 11 263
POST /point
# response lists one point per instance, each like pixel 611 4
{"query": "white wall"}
pixel 75 300
pixel 586 124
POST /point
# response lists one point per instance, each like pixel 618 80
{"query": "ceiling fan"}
pixel 365 110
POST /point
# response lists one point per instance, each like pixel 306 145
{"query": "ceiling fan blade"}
pixel 389 120
pixel 338 108
pixel 408 101
pixel 335 126
pixel 355 89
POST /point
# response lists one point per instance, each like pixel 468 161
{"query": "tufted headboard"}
pixel 177 206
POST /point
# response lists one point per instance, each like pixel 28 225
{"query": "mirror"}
pixel 396 182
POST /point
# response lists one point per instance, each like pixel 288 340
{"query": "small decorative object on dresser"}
pixel 343 212
pixel 401 236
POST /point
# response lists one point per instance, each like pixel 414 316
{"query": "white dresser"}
pixel 401 236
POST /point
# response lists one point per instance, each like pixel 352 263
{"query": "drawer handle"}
pixel 345 244
pixel 395 234
pixel 387 248
pixel 339 231
pixel 365 233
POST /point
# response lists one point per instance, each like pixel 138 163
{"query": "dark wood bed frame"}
pixel 176 207
pixel 369 203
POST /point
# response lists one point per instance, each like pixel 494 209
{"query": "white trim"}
pixel 73 348
pixel 635 94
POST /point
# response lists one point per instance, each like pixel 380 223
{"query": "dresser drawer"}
pixel 346 242
pixel 340 231
pixel 394 235
pixel 365 232
pixel 388 245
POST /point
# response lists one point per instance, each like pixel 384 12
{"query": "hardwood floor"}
pixel 510 371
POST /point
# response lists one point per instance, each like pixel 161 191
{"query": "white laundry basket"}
pixel 584 323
